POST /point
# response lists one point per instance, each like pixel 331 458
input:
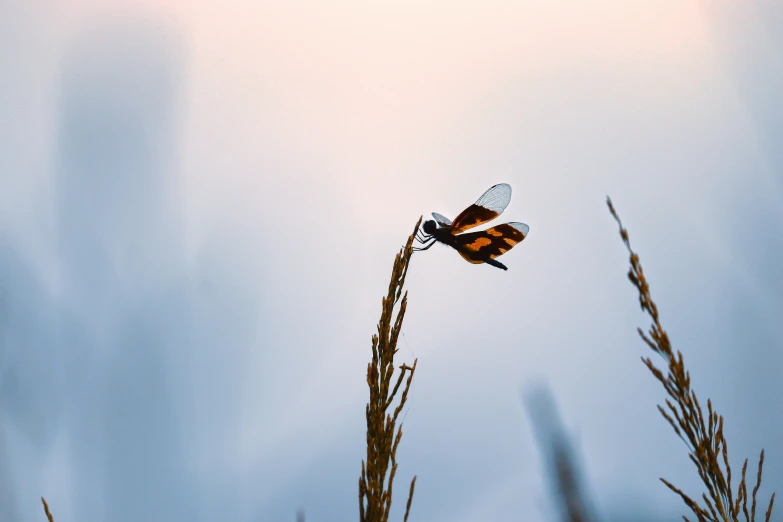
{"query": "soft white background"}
pixel 200 204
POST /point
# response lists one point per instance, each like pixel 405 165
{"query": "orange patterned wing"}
pixel 489 206
pixel 476 247
pixel 470 257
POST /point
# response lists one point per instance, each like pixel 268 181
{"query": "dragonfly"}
pixel 484 246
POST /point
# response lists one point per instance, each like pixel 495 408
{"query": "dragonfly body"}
pixel 477 247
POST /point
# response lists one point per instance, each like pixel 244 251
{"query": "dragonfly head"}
pixel 429 226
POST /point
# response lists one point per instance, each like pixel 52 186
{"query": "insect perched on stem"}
pixel 476 247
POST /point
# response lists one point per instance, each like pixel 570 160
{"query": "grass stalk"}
pixel 702 434
pixel 375 493
pixel 46 509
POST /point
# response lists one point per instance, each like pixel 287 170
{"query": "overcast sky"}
pixel 200 207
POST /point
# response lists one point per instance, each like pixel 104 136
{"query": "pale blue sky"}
pixel 200 207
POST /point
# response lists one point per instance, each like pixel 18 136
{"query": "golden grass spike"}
pixel 769 509
pixel 375 493
pixel 410 499
pixel 46 509
pixel 705 441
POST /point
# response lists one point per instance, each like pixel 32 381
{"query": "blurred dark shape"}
pixel 120 260
pixel 118 232
pixel 565 478
pixel 30 378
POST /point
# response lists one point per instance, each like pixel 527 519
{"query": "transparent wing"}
pixel 520 227
pixel 489 206
pixel 496 198
pixel 441 219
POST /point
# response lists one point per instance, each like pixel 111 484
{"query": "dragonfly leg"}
pixel 420 249
pixel 423 238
